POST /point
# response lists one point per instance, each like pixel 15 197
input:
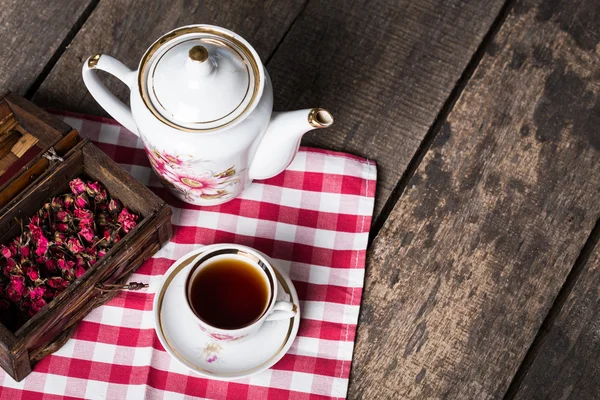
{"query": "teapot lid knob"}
pixel 198 54
pixel 195 65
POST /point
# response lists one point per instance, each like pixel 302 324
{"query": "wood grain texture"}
pixel 383 68
pixel 31 33
pixel 566 366
pixel 470 260
pixel 125 29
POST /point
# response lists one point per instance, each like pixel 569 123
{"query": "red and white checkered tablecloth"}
pixel 313 219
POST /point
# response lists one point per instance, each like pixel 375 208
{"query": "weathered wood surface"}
pixel 567 365
pixel 470 260
pixel 31 33
pixel 383 68
pixel 125 29
pixel 385 81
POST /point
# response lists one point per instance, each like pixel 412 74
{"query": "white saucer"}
pixel 183 340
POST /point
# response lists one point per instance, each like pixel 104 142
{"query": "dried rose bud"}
pixel 36 292
pixel 129 225
pixel 74 245
pixel 17 282
pixel 111 237
pixel 87 234
pixel 79 271
pixel 126 215
pixel 93 188
pixel 127 220
pixel 10 267
pixel 36 232
pixel 41 245
pixel 16 288
pixel 101 253
pixel 51 265
pixel 81 213
pixel 68 200
pixel 59 238
pixel 62 227
pixel 24 250
pixel 77 186
pixel 101 196
pixel 57 203
pixel 81 201
pixel 63 216
pixel 13 295
pixel 33 273
pixel 5 251
pixel 114 206
pixel 38 305
pixel 35 220
pixel 55 282
pixel 65 265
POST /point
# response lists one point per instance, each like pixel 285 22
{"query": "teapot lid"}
pixel 200 78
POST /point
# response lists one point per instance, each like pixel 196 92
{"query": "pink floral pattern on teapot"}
pixel 184 177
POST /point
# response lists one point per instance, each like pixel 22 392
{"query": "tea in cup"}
pixel 231 291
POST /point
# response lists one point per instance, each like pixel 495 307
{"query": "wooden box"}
pixel 38 161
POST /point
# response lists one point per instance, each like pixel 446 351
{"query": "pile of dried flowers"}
pixel 61 241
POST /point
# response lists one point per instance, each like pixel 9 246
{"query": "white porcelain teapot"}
pixel 202 101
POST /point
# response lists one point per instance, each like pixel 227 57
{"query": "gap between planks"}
pixel 286 33
pixel 439 121
pixel 560 300
pixel 61 49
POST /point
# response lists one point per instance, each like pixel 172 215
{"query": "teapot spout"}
pixel 279 144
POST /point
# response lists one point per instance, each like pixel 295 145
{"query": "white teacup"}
pixel 272 310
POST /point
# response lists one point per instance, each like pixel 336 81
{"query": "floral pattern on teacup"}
pixel 220 336
pixel 189 178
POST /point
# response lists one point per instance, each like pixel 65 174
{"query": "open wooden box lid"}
pixel 30 139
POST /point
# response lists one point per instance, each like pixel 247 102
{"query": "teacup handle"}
pixel 103 96
pixel 282 310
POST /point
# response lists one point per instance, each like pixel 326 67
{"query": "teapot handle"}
pixel 103 96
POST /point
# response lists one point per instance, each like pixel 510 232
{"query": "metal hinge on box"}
pixel 51 155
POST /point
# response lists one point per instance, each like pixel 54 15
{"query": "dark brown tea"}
pixel 229 293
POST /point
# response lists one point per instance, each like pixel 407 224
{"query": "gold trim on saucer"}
pixel 189 364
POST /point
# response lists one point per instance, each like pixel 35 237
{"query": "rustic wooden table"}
pixel 483 279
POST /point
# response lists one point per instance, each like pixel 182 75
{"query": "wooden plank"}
pixel 567 364
pixel 383 68
pixel 471 258
pixel 31 33
pixel 125 29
